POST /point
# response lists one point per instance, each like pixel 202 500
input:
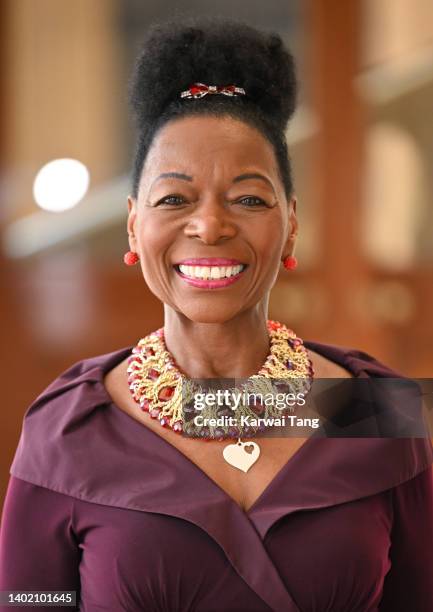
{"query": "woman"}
pixel 105 497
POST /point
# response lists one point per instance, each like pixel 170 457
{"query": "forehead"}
pixel 202 144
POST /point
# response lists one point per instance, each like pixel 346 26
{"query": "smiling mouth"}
pixel 210 273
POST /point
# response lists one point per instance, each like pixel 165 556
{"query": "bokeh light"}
pixel 61 184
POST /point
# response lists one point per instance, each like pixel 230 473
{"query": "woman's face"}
pixel 210 190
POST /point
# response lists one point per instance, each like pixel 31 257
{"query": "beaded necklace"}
pixel 160 388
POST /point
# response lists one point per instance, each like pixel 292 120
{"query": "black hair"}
pixel 175 55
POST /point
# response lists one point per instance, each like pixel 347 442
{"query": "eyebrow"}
pixel 178 175
pixel 237 179
pixel 252 175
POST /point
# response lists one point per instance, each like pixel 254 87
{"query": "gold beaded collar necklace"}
pixel 159 387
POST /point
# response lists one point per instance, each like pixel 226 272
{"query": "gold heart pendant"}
pixel 242 455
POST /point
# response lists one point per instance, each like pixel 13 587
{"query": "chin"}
pixel 208 314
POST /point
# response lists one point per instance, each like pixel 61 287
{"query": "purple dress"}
pixel 100 504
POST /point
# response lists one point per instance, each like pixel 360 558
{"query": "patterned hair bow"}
pixel 198 90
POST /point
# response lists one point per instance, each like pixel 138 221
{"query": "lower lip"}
pixel 210 284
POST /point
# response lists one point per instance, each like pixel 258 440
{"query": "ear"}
pixel 131 223
pixel 293 227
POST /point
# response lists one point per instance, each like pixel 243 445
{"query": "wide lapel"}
pixel 332 470
pixel 329 471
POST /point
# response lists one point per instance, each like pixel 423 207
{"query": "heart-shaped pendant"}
pixel 242 455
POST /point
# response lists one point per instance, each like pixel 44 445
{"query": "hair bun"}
pixel 215 52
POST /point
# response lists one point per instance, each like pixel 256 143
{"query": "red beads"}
pixel 145 405
pixel 166 393
pixel 274 325
pixel 153 374
pixel 177 426
pixel 130 258
pixel 290 262
pixel 198 88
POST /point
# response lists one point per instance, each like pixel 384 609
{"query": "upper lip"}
pixel 209 261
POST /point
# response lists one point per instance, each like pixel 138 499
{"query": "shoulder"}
pixel 85 374
pixel 324 367
pixel 394 401
pixel 62 419
pixel 332 360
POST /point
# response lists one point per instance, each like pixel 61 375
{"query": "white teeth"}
pixel 211 272
pixel 233 270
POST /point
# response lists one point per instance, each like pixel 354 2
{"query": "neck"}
pixel 231 349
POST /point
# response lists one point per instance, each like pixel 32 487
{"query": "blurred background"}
pixel 362 149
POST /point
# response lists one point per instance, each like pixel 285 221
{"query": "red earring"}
pixel 290 262
pixel 130 258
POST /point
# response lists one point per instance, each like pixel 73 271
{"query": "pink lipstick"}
pixel 210 272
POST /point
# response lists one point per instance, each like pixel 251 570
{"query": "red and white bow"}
pixel 198 90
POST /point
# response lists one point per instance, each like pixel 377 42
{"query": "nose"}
pixel 211 222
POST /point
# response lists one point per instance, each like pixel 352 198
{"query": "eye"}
pixel 252 201
pixel 171 199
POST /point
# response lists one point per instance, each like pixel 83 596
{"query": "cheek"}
pixel 267 237
pixel 156 233
pixel 268 243
pixel 155 240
